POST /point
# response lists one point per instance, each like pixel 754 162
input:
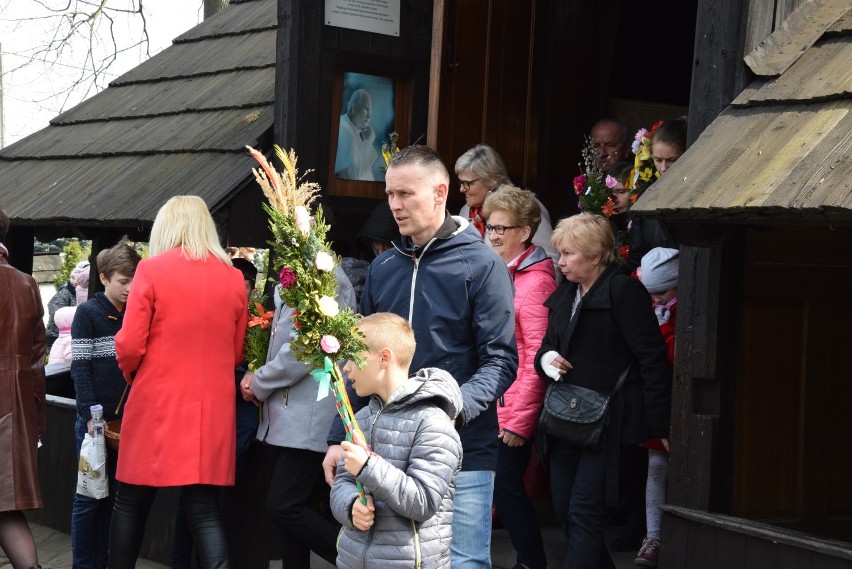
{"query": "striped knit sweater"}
pixel 97 378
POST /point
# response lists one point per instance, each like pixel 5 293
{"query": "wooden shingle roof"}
pixel 176 124
pixel 783 149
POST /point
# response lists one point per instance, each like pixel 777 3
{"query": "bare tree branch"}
pixel 102 29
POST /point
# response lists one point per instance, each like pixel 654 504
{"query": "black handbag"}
pixel 577 415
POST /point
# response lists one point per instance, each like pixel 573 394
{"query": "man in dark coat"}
pixel 457 294
pixel 22 405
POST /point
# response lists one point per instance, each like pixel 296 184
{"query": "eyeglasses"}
pixel 466 183
pixel 499 229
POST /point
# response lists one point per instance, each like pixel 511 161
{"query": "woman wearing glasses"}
pixel 481 172
pixel 513 216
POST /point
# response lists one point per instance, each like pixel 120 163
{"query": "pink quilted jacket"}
pixel 534 282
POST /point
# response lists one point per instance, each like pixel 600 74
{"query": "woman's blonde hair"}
pixel 185 222
pixel 520 204
pixel 590 233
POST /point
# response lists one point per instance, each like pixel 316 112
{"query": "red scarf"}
pixel 475 216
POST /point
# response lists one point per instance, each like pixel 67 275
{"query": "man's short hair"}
pixel 387 330
pixel 622 130
pixel 4 223
pixel 120 258
pixel 423 156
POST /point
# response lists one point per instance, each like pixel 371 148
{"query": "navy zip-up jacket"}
pixel 458 297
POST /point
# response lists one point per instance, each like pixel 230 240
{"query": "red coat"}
pixel 181 338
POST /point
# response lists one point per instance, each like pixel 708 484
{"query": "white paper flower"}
pixel 303 219
pixel 328 306
pixel 324 261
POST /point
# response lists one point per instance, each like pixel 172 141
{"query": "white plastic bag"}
pixel 91 470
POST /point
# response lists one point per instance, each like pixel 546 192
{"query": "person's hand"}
pixel 89 428
pixel 363 516
pixel 354 457
pixel 245 388
pixel 666 444
pixel 511 439
pixel 556 367
pixel 329 463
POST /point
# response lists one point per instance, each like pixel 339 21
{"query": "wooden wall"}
pixel 758 406
pixel 727 30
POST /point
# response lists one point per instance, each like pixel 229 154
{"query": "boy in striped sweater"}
pixel 98 380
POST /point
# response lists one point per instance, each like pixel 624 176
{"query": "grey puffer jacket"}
pixel 411 477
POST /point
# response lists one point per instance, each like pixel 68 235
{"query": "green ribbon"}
pixel 323 378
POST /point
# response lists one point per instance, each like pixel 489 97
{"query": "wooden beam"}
pixel 438 30
pixel 774 55
pixel 834 548
pixel 718 73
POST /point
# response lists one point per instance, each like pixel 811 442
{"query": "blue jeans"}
pixel 578 484
pixel 90 518
pixel 471 545
pixel 515 507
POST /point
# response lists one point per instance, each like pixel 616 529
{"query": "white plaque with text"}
pixel 377 16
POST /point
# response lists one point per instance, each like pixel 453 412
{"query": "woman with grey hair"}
pixel 481 172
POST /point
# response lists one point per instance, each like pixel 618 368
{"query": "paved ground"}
pixel 54 549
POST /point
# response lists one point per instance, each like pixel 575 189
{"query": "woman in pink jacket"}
pixel 181 338
pixel 513 215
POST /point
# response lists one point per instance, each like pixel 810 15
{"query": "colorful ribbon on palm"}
pixel 329 376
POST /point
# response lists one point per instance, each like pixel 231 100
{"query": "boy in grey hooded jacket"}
pixel 410 465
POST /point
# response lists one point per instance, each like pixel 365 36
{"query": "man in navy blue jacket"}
pixel 458 296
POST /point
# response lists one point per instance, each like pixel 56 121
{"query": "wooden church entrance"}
pixel 791 458
pixel 530 78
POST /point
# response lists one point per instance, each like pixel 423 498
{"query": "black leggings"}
pixel 132 504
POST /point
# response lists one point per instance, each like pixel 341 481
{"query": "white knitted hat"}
pixel 659 269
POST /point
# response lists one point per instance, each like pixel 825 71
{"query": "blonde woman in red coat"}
pixel 181 338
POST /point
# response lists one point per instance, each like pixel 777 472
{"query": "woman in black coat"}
pixel 601 322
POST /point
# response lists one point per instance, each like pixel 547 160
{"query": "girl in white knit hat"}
pixel 658 272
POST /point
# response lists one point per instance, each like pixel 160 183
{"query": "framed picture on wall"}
pixel 368 106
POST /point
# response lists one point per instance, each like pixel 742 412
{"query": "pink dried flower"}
pixel 611 182
pixel 330 344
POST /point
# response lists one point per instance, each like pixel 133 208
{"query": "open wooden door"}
pixel 792 460
pixel 484 65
